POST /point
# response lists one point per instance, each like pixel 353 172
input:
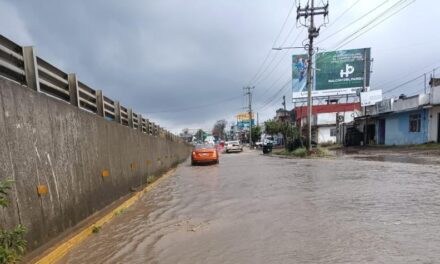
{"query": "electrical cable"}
pixel 275 95
pixel 275 41
pixel 293 44
pixel 347 40
pixel 352 22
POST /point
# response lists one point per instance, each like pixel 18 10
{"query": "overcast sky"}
pixel 184 63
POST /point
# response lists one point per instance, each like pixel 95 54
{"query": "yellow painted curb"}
pixel 60 251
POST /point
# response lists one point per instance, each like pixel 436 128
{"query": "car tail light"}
pixel 194 153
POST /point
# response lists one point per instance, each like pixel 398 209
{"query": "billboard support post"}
pixel 363 90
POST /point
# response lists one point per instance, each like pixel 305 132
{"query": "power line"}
pixel 293 44
pixel 399 77
pixel 353 22
pixel 270 100
pixel 278 63
pixel 403 84
pixel 343 13
pixel 347 40
pixel 274 42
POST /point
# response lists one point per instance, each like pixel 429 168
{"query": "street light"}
pixel 283 48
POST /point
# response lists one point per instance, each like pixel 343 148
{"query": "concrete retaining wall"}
pixel 47 142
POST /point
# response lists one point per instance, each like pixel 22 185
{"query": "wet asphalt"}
pixel 252 208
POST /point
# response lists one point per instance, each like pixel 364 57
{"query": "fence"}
pixel 20 64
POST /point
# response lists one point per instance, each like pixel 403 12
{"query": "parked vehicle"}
pixel 233 146
pixel 204 153
pixel 267 146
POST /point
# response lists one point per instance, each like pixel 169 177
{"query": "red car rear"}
pixel 204 154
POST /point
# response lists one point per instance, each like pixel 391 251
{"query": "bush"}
pixel 5 186
pixel 300 152
pixel 322 152
pixel 12 242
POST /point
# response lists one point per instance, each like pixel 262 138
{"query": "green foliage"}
pixel 200 135
pixel 96 229
pixel 219 129
pixel 12 242
pixel 256 133
pixel 272 127
pixel 5 186
pixel 289 132
pixel 322 152
pixel 119 212
pixel 300 152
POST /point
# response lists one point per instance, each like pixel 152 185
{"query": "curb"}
pixel 55 253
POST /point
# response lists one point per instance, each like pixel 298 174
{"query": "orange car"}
pixel 204 153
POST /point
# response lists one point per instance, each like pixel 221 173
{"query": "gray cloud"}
pixel 159 56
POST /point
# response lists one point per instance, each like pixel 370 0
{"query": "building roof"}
pixel 301 111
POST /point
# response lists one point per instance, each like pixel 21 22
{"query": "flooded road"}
pixel 256 209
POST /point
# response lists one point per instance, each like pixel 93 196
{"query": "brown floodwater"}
pixel 257 209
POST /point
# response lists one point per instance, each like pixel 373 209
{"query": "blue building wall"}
pixel 397 129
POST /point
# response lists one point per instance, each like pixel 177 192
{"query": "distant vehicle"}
pixel 259 144
pixel 231 146
pixel 204 153
pixel 268 141
pixel 210 140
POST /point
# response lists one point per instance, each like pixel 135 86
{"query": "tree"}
pixel 272 127
pixel 289 132
pixel 256 133
pixel 12 242
pixel 218 130
pixel 200 135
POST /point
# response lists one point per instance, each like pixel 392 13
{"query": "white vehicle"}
pixel 231 146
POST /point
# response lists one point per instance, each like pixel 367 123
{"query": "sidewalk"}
pixel 418 154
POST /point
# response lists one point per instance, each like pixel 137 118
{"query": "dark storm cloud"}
pixel 164 57
pixel 152 55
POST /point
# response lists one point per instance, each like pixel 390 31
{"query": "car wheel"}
pixel 193 163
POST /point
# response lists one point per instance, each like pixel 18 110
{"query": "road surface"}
pixel 257 209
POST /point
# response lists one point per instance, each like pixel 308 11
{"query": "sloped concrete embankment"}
pixel 83 161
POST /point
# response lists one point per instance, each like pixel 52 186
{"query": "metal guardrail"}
pixel 21 65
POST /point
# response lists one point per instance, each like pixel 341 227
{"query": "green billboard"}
pixel 335 73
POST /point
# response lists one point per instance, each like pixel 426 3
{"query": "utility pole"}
pixel 284 102
pixel 284 107
pixel 258 122
pixel 311 11
pixel 248 92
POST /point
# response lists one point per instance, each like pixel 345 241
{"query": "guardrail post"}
pixel 130 117
pixel 140 123
pixel 100 103
pixel 31 68
pixel 147 126
pixel 117 111
pixel 73 89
